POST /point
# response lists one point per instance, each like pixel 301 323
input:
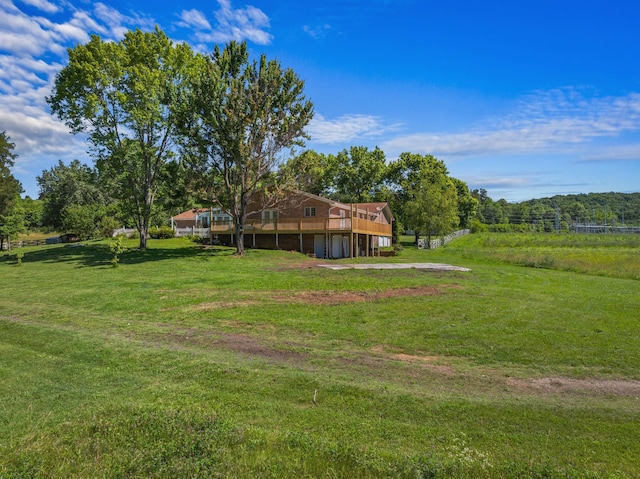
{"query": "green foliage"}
pixel 510 228
pixel 64 186
pixel 357 174
pixel 424 195
pixel 240 117
pixel 19 256
pixel 107 226
pixel 11 225
pixel 10 187
pixel 433 208
pixel 478 227
pixel 83 220
pixel 11 216
pixel 162 232
pixel 545 214
pixel 32 213
pixel 309 171
pixel 116 247
pixel 125 96
pixel 467 204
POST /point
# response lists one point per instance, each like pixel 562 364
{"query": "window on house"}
pixel 269 215
pixel 310 211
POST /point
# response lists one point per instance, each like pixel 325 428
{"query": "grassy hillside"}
pixel 189 362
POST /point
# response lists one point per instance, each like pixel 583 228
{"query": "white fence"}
pixel 436 243
pixel 201 232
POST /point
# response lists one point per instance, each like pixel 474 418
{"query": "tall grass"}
pixel 604 255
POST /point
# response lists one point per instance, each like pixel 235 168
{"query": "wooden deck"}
pixel 306 226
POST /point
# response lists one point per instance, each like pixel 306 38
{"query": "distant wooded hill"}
pixel 614 209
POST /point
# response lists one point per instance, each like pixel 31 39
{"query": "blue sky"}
pixel 524 98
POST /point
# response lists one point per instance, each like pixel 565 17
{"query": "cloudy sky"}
pixel 527 98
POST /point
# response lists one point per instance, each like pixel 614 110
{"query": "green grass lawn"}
pixel 187 361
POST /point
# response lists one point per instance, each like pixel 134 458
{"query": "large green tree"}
pixel 357 174
pixel 241 118
pixel 64 186
pixel 10 188
pixel 308 171
pixel 124 95
pixel 433 208
pixel 467 204
pixel 405 177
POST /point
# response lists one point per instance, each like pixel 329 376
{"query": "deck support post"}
pixel 351 248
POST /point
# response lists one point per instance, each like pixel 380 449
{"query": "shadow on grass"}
pixel 96 254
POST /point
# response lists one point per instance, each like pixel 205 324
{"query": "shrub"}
pixel 81 220
pixel 478 227
pixel 117 248
pixel 162 232
pixel 107 225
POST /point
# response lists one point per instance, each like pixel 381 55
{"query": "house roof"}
pixel 380 207
pixel 189 214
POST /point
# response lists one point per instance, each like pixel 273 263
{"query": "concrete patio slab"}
pixel 429 266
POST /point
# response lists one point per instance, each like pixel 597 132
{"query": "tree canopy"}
pixel 241 117
pixel 357 174
pixel 11 221
pixel 10 187
pixel 65 186
pixel 124 95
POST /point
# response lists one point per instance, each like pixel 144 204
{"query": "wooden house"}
pixel 313 225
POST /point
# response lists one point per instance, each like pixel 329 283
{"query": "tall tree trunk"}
pixel 239 236
pixel 240 220
pixel 144 232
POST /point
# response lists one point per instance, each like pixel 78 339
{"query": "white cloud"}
pixel 498 182
pixel 614 153
pixel 346 128
pixel 117 24
pixel 240 24
pixel 194 19
pixel 541 122
pixel 32 51
pixel 43 5
pixel 317 32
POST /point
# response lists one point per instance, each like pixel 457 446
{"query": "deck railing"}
pixel 306 225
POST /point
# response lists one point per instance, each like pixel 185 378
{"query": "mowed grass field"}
pixel 186 361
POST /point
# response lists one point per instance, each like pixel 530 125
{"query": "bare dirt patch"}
pixel 433 363
pixel 240 343
pixel 252 347
pixel 559 385
pixel 213 305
